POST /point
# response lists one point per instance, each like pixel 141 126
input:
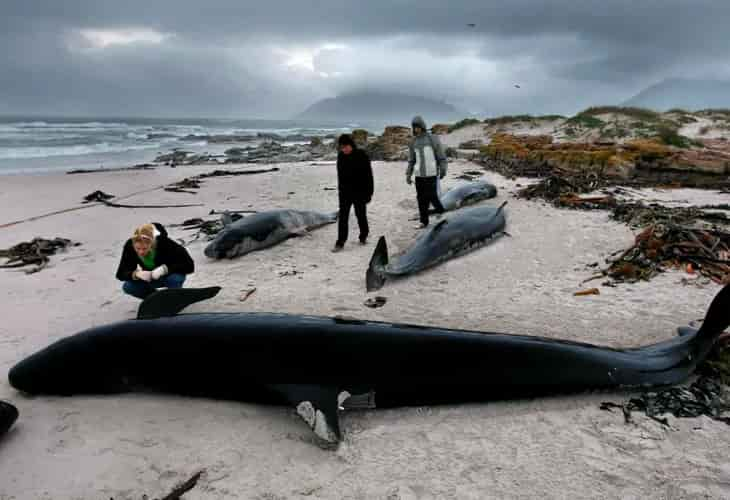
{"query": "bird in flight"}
pixel 471 25
pixel 517 86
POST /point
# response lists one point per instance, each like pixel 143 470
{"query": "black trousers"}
pixel 427 195
pixel 344 217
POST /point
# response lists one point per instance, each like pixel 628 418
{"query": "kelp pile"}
pixel 664 246
pixel 33 253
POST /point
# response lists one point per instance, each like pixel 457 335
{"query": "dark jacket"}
pixel 355 176
pixel 167 252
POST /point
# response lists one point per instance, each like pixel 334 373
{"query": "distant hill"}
pixel 683 93
pixel 380 107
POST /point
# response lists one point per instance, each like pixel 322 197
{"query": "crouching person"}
pixel 151 260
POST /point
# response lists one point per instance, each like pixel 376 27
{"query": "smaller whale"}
pixel 8 416
pixel 467 193
pixel 451 237
pixel 263 230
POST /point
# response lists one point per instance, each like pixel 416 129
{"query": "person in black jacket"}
pixel 355 188
pixel 151 260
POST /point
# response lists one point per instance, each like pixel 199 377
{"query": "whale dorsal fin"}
pixel 170 301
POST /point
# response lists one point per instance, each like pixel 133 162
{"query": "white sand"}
pixel 124 446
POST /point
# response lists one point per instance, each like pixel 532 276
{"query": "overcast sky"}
pixel 272 58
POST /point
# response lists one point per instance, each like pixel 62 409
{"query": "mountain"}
pixel 691 95
pixel 380 107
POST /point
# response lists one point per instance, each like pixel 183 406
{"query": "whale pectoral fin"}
pixel 683 331
pixel 438 227
pixel 317 405
pixel 375 275
pixel 170 301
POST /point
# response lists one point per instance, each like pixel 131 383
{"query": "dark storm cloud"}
pixel 273 58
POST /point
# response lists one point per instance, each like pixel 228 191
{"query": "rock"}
pixel 297 138
pixel 473 144
pixel 270 136
pixel 176 156
pixel 392 145
pixel 451 153
pixel 237 152
pixel 440 129
pixel 360 136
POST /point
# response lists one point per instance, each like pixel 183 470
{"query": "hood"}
pixel 420 122
pixel 160 231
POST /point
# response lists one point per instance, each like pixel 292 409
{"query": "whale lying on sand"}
pixel 454 235
pixel 263 230
pixel 319 365
pixel 8 416
pixel 467 193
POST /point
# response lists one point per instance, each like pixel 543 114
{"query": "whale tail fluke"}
pixel 170 301
pixel 375 275
pixel 716 321
pixel 8 416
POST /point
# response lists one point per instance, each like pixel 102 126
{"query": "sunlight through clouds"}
pixel 101 39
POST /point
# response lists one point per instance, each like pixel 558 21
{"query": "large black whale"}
pixel 318 365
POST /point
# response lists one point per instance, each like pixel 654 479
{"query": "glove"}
pixel 140 274
pixel 409 180
pixel 442 175
pixel 159 272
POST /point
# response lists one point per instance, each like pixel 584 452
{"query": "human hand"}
pixel 442 175
pixel 143 275
pixel 159 272
pixel 409 180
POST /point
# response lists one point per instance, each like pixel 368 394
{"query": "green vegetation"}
pixel 463 123
pixel 616 132
pixel 503 120
pixel 507 119
pixel 671 137
pixel 638 113
pixel 581 120
pixel 550 117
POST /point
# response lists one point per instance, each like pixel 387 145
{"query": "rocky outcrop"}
pixel 637 160
pixel 360 136
pixel 392 145
pixel 440 129
pixel 473 144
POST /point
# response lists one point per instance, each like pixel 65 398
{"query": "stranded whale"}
pixel 263 230
pixel 318 365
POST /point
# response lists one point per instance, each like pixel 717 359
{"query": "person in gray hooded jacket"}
pixel 428 162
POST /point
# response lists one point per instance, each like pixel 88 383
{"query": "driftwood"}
pixel 143 166
pixel 184 185
pixel 183 488
pixel 179 490
pixel 223 173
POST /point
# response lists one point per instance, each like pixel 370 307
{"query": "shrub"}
pixel 463 123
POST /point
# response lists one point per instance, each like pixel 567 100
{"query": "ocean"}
pixel 41 145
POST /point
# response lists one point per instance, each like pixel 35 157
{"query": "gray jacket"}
pixel 426 155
